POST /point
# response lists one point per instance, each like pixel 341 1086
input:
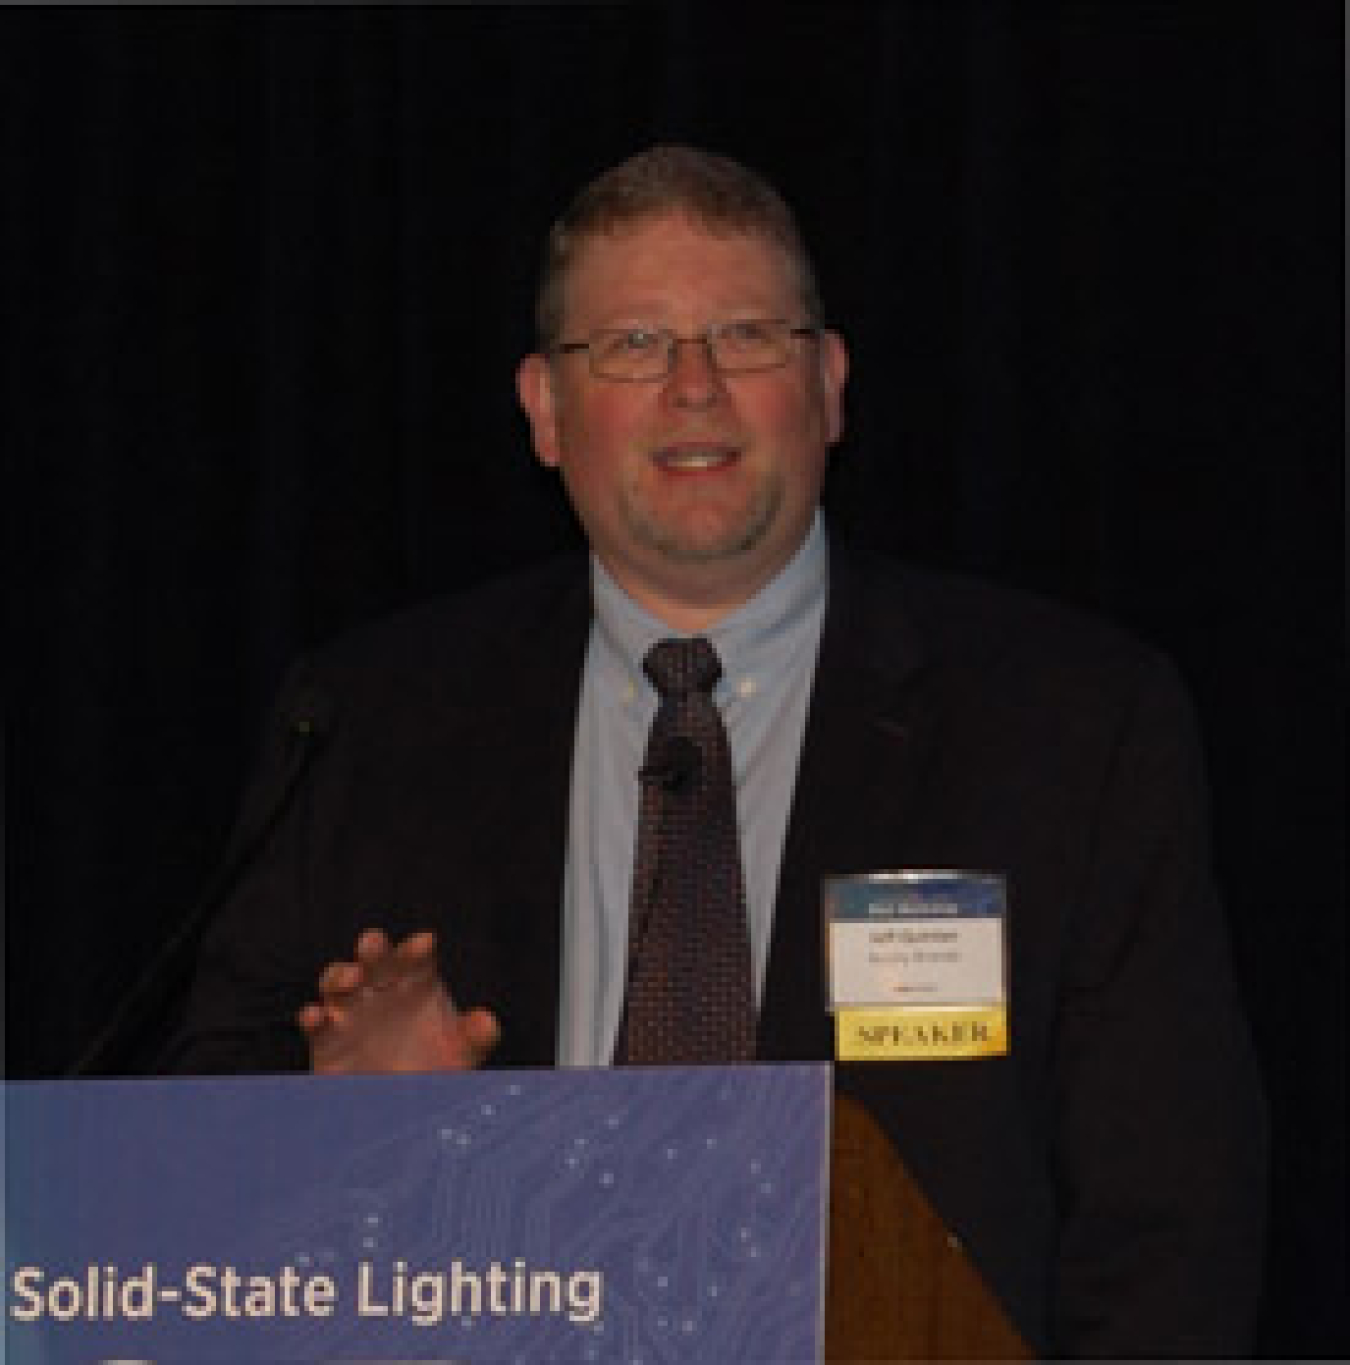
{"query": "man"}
pixel 457 793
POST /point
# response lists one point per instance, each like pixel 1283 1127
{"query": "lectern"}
pixel 664 1214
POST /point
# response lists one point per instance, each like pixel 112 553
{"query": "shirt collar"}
pixel 750 640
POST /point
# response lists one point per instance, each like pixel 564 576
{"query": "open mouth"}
pixel 696 459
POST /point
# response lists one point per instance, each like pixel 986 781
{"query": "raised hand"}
pixel 388 1010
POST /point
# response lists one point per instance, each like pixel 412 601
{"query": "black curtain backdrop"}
pixel 268 273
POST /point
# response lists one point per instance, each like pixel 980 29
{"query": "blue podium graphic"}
pixel 645 1216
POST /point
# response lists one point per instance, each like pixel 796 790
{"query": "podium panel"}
pixel 614 1215
pixel 628 1215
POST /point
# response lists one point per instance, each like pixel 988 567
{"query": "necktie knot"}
pixel 678 667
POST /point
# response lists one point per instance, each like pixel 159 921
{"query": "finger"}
pixel 371 945
pixel 321 1025
pixel 412 962
pixel 340 978
pixel 417 947
pixel 312 1019
pixel 481 1032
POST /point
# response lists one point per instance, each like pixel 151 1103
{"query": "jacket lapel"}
pixel 867 744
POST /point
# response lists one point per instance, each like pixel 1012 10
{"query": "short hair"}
pixel 714 191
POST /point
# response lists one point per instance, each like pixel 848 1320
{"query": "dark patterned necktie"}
pixel 689 997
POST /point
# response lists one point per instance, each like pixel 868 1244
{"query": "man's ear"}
pixel 534 389
pixel 833 376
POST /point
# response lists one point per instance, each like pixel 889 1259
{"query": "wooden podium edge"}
pixel 899 1285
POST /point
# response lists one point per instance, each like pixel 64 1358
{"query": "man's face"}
pixel 696 489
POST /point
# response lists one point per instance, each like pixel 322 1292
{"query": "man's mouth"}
pixel 696 458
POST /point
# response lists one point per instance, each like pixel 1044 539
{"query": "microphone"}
pixel 308 726
pixel 675 767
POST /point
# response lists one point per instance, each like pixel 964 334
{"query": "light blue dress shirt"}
pixel 768 651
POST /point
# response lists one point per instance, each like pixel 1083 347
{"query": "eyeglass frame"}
pixel 673 341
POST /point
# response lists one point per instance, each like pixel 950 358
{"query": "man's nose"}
pixel 693 378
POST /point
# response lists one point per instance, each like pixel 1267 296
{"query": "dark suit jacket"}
pixel 1107 1177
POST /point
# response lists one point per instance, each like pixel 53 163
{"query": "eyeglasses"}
pixel 648 353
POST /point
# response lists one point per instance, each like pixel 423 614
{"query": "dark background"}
pixel 268 273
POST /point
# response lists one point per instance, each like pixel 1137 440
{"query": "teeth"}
pixel 696 457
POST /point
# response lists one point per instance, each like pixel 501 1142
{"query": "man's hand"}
pixel 388 1010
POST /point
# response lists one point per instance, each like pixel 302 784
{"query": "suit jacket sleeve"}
pixel 256 961
pixel 429 793
pixel 1159 1139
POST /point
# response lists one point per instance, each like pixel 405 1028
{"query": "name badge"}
pixel 916 965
